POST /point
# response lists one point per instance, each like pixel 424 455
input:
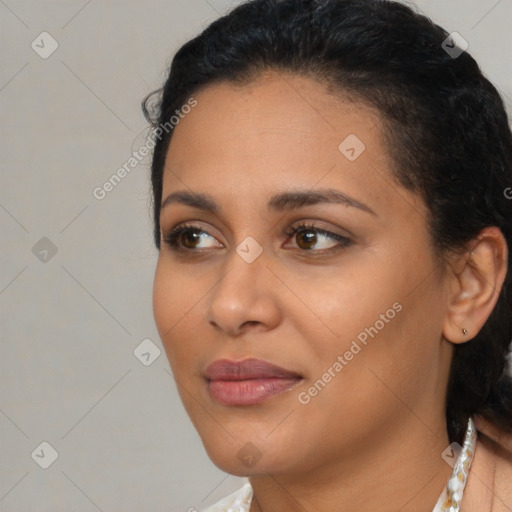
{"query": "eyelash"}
pixel 172 238
pixel 304 226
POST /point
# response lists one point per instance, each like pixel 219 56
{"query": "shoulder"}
pixel 239 501
pixel 490 476
pixel 501 451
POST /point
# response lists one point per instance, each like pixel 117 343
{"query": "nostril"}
pixel 250 322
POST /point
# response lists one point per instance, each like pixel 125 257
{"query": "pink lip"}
pixel 247 382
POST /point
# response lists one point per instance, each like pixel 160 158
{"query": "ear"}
pixel 476 277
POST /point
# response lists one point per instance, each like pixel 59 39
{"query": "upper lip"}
pixel 251 368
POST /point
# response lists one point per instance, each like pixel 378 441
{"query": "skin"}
pixel 380 423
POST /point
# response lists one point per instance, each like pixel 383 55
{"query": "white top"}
pixel 449 500
pixel 239 501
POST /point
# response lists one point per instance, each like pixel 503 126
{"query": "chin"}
pixel 246 458
pixel 234 467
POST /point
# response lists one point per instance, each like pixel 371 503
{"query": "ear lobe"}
pixel 477 278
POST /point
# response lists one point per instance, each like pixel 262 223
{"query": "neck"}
pixel 401 470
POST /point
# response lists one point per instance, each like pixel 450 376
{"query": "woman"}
pixel 332 212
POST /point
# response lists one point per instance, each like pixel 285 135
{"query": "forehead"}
pixel 278 131
pixel 274 106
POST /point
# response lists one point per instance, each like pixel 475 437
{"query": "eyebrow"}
pixel 284 201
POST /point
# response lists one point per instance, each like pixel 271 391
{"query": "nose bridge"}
pixel 246 266
pixel 244 293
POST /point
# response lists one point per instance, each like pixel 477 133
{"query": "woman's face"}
pixel 350 307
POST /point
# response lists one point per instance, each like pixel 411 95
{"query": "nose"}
pixel 244 299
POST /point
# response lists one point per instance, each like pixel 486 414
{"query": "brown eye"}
pixel 188 237
pixel 309 237
pixel 306 239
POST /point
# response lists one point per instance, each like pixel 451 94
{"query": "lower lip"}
pixel 248 392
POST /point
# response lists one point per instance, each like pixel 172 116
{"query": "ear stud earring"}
pixel 464 331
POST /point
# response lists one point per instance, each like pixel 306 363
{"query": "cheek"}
pixel 163 301
pixel 374 318
pixel 169 309
pixel 174 296
pixel 354 302
pixel 179 300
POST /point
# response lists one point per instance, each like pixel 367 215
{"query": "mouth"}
pixel 247 382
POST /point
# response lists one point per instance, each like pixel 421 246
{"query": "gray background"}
pixel 70 323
